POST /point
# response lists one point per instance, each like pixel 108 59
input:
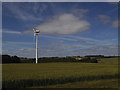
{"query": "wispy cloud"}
pixel 27 14
pixel 104 19
pixel 83 38
pixel 64 51
pixel 11 32
pixel 62 38
pixel 86 40
pixel 115 24
pixel 80 12
pixel 107 19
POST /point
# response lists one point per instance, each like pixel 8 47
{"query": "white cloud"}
pixel 115 24
pixel 104 18
pixel 64 24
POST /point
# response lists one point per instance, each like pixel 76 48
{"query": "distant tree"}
pixel 6 59
pixel 15 59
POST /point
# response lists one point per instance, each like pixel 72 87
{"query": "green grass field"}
pixel 66 75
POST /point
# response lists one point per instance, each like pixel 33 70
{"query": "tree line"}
pixel 16 59
pixel 85 59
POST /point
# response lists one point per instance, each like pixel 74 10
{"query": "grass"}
pixel 108 83
pixel 46 74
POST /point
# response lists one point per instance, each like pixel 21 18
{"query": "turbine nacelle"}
pixel 36 31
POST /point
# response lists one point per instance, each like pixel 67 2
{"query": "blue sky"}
pixel 66 29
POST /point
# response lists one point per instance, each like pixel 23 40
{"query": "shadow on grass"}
pixel 52 81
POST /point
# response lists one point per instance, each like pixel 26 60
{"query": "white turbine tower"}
pixel 36 32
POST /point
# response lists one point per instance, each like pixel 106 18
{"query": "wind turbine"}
pixel 36 32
